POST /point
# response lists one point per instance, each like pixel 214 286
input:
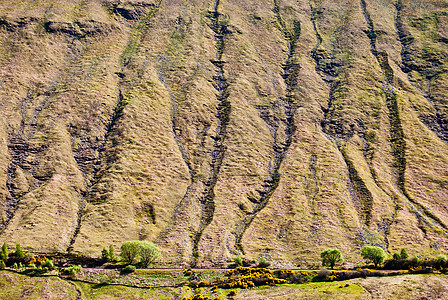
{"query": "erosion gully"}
pixel 438 124
pixel 224 107
pixel 19 146
pixel 360 195
pixel 397 139
pixel 202 189
pixel 280 147
pixel 126 57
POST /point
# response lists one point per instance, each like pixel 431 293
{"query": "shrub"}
pixel 48 263
pixel 243 277
pixel 295 276
pixel 130 250
pixel 128 269
pixel 263 262
pixel 31 265
pixel 4 253
pixel 105 254
pixel 108 254
pixel 404 254
pixel 374 254
pixel 330 257
pixel 188 272
pixel 351 274
pixel 441 259
pixel 398 264
pixel 15 266
pixel 2 264
pixel 149 252
pixel 396 256
pixel 238 260
pixel 112 256
pixel 416 260
pixel 203 283
pixel 421 270
pixel 19 253
pixel 323 275
pixel 72 270
pixel 29 258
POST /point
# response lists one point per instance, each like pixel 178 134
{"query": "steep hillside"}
pixel 217 128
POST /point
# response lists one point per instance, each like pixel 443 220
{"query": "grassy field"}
pixel 15 286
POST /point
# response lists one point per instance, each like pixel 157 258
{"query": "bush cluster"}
pixel 188 272
pixel 295 276
pixel 128 269
pixel 244 277
pixel 436 264
pixel 147 251
pixel 72 270
pixel 108 254
pixel 201 297
pixel 326 275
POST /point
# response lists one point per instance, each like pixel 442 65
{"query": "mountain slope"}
pixel 217 128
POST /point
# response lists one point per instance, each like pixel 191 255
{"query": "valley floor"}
pixel 430 286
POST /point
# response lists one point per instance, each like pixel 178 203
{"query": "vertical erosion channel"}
pixel 437 123
pixel 397 138
pixel 19 145
pixel 328 67
pixel 219 27
pixel 280 147
pixel 131 49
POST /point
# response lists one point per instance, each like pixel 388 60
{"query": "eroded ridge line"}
pixel 397 138
pixel 126 57
pixel 280 148
pixel 220 28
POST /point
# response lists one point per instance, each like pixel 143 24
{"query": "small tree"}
pixel 4 253
pixel 112 256
pixel 105 254
pixel 238 260
pixel 263 262
pixel 404 254
pixel 441 259
pixel 396 256
pixel 374 254
pixel 2 264
pixel 330 257
pixel 130 250
pixel 416 260
pixel 19 253
pixel 149 252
